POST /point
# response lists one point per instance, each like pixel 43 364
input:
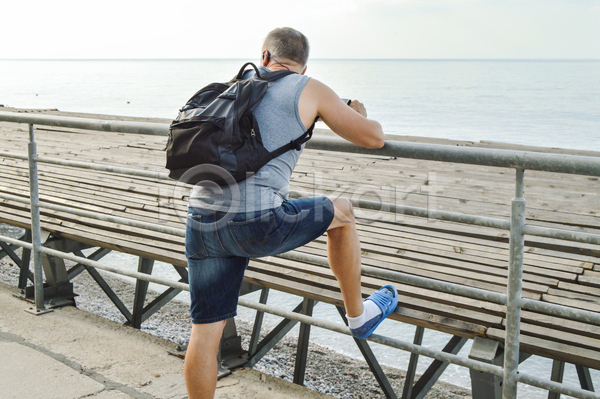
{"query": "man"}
pixel 228 225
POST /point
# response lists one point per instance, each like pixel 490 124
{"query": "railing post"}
pixel 36 231
pixel 515 281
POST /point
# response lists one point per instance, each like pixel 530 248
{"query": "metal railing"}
pixel 513 300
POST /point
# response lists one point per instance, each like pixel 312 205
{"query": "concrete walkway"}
pixel 68 354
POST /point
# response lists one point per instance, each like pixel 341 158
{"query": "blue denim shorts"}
pixel 219 245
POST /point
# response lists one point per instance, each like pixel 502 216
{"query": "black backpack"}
pixel 216 136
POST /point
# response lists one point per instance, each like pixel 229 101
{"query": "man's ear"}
pixel 265 58
pixel 304 70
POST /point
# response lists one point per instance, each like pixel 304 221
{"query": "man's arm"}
pixel 349 122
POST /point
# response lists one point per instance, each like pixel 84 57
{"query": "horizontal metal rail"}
pixel 98 265
pixel 559 163
pixel 91 166
pixel 419 212
pixel 293 255
pixel 561 234
pixel 105 168
pixel 363 204
pixel 100 216
pixel 8 154
pixel 418 281
pixel 529 379
pixel 387 341
pixel 456 289
pixel 155 129
pixel 561 311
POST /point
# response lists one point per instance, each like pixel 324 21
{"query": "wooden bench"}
pixel 559 272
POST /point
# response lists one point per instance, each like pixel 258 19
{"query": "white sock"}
pixel 371 310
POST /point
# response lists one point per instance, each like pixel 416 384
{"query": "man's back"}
pixel 279 122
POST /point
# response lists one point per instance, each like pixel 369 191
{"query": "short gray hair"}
pixel 287 43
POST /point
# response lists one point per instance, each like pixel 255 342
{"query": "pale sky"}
pixel 449 29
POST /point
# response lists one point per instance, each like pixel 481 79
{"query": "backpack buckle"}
pixel 296 145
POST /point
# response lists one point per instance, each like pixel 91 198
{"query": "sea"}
pixel 549 103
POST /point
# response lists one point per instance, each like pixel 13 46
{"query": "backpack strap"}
pixel 294 144
pixel 240 74
pixel 269 76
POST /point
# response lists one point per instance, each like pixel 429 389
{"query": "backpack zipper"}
pixel 253 135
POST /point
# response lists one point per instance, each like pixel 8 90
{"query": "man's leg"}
pixel 343 252
pixel 200 366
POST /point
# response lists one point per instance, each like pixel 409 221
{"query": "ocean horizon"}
pixel 550 103
pixel 310 60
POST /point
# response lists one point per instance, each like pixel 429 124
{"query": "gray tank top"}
pixel 279 122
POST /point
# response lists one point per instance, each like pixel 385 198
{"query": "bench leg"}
pixel 558 370
pixel 8 250
pixel 4 251
pixel 486 386
pixel 141 312
pixel 58 290
pixel 303 339
pixel 166 296
pixel 371 360
pixel 231 353
pixel 585 378
pixel 141 289
pixel 436 369
pixel 412 365
pixel 25 260
pixel 22 263
pixel 79 268
pixel 264 295
pixel 109 292
pixel 54 270
pixel 183 272
pixel 273 338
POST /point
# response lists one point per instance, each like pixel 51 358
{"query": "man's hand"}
pixel 358 107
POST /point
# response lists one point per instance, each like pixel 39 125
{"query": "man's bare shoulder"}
pixel 321 96
pixel 317 88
